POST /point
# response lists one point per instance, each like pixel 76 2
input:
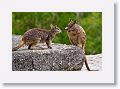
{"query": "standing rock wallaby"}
pixel 77 37
pixel 37 35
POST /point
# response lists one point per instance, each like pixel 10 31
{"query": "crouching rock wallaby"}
pixel 77 37
pixel 37 35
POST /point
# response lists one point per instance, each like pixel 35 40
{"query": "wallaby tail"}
pixel 20 45
pixel 86 64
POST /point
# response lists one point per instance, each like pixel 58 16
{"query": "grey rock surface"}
pixel 60 58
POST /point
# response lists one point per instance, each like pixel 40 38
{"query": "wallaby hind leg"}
pixel 32 44
pixel 29 46
pixel 20 45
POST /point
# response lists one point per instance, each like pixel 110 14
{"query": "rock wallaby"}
pixel 77 37
pixel 37 35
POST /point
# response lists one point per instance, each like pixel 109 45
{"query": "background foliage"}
pixel 90 21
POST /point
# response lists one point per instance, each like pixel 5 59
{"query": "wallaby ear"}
pixel 51 26
pixel 70 19
pixel 75 21
pixel 55 25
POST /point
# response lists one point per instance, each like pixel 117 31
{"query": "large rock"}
pixel 60 58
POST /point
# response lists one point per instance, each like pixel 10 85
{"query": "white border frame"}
pixel 104 76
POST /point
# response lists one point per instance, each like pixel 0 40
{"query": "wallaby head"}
pixel 71 24
pixel 55 29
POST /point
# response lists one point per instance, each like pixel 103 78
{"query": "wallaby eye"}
pixel 69 31
pixel 70 25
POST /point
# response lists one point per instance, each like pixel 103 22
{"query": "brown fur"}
pixel 77 37
pixel 37 35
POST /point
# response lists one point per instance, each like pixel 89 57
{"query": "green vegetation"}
pixel 90 21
